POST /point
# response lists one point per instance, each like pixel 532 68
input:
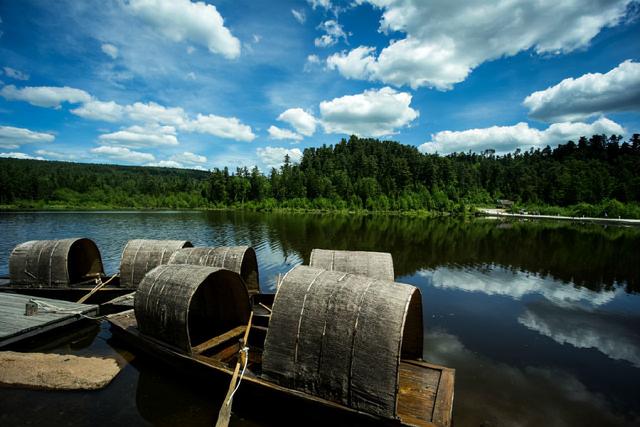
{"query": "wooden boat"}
pixel 334 341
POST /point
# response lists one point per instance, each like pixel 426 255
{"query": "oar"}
pixel 99 286
pixel 225 411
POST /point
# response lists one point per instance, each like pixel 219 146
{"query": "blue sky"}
pixel 241 83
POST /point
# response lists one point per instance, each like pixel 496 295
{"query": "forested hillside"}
pixel 592 176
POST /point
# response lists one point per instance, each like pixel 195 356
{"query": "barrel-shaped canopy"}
pixel 341 336
pixel 141 255
pixel 184 305
pixel 378 265
pixel 55 263
pixel 241 259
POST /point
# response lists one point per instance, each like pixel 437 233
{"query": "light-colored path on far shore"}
pixel 502 213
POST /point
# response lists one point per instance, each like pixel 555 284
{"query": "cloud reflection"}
pixel 608 333
pixel 496 280
pixel 489 392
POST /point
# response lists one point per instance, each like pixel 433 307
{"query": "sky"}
pixel 235 83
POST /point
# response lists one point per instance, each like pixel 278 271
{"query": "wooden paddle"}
pixel 225 410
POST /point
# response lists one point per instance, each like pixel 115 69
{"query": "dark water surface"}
pixel 541 320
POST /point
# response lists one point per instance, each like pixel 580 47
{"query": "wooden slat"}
pixel 215 341
pixel 14 325
pixel 444 398
pixel 417 393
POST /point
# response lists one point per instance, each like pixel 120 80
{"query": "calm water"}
pixel 540 320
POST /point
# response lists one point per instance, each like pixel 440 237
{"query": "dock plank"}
pixel 15 325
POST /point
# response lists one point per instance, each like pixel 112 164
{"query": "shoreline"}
pixel 500 213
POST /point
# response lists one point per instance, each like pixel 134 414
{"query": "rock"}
pixel 55 371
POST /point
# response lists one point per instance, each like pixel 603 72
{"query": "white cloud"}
pixel 45 96
pixel 223 127
pixel 325 4
pixel 180 20
pixel 333 32
pixel 299 15
pixel 273 157
pixel 446 39
pixel 55 154
pixel 188 157
pixel 110 50
pixel 279 133
pixel 139 136
pixel 311 62
pixel 303 122
pixel 22 156
pixel 12 137
pixel 15 74
pixel 166 164
pixel 99 110
pixel 371 113
pixel 155 113
pixel 506 139
pixel 123 154
pixel 588 95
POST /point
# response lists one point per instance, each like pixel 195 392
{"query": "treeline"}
pixel 44 184
pixel 595 175
pixel 591 177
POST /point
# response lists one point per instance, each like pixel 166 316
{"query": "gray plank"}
pixel 14 325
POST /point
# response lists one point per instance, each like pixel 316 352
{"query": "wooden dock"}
pixel 15 325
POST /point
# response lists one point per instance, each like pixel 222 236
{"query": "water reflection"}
pixel 489 392
pixel 496 280
pixel 540 319
pixel 614 335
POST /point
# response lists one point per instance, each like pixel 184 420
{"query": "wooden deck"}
pixel 425 395
pixel 15 325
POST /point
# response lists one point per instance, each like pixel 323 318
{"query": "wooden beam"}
pixel 215 341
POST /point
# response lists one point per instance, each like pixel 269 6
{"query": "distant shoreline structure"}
pixel 500 213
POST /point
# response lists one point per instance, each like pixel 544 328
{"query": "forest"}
pixel 596 176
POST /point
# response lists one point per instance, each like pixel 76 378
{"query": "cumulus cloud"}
pixel 110 50
pixel 371 113
pixel 333 32
pixel 180 20
pixel 325 4
pixel 12 137
pixel 505 139
pixel 55 154
pixel 166 164
pixel 299 15
pixel 273 157
pixel 589 95
pixel 152 112
pixel 99 110
pixel 45 96
pixel 446 40
pixel 223 127
pixel 123 154
pixel 22 156
pixel 279 133
pixel 15 74
pixel 303 122
pixel 142 136
pixel 189 157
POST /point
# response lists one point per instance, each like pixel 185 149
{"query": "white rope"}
pixel 244 350
pixel 51 308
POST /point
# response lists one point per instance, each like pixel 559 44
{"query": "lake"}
pixel 541 320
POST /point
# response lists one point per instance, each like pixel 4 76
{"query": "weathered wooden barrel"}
pixel 55 263
pixel 378 265
pixel 341 336
pixel 241 259
pixel 185 305
pixel 140 256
